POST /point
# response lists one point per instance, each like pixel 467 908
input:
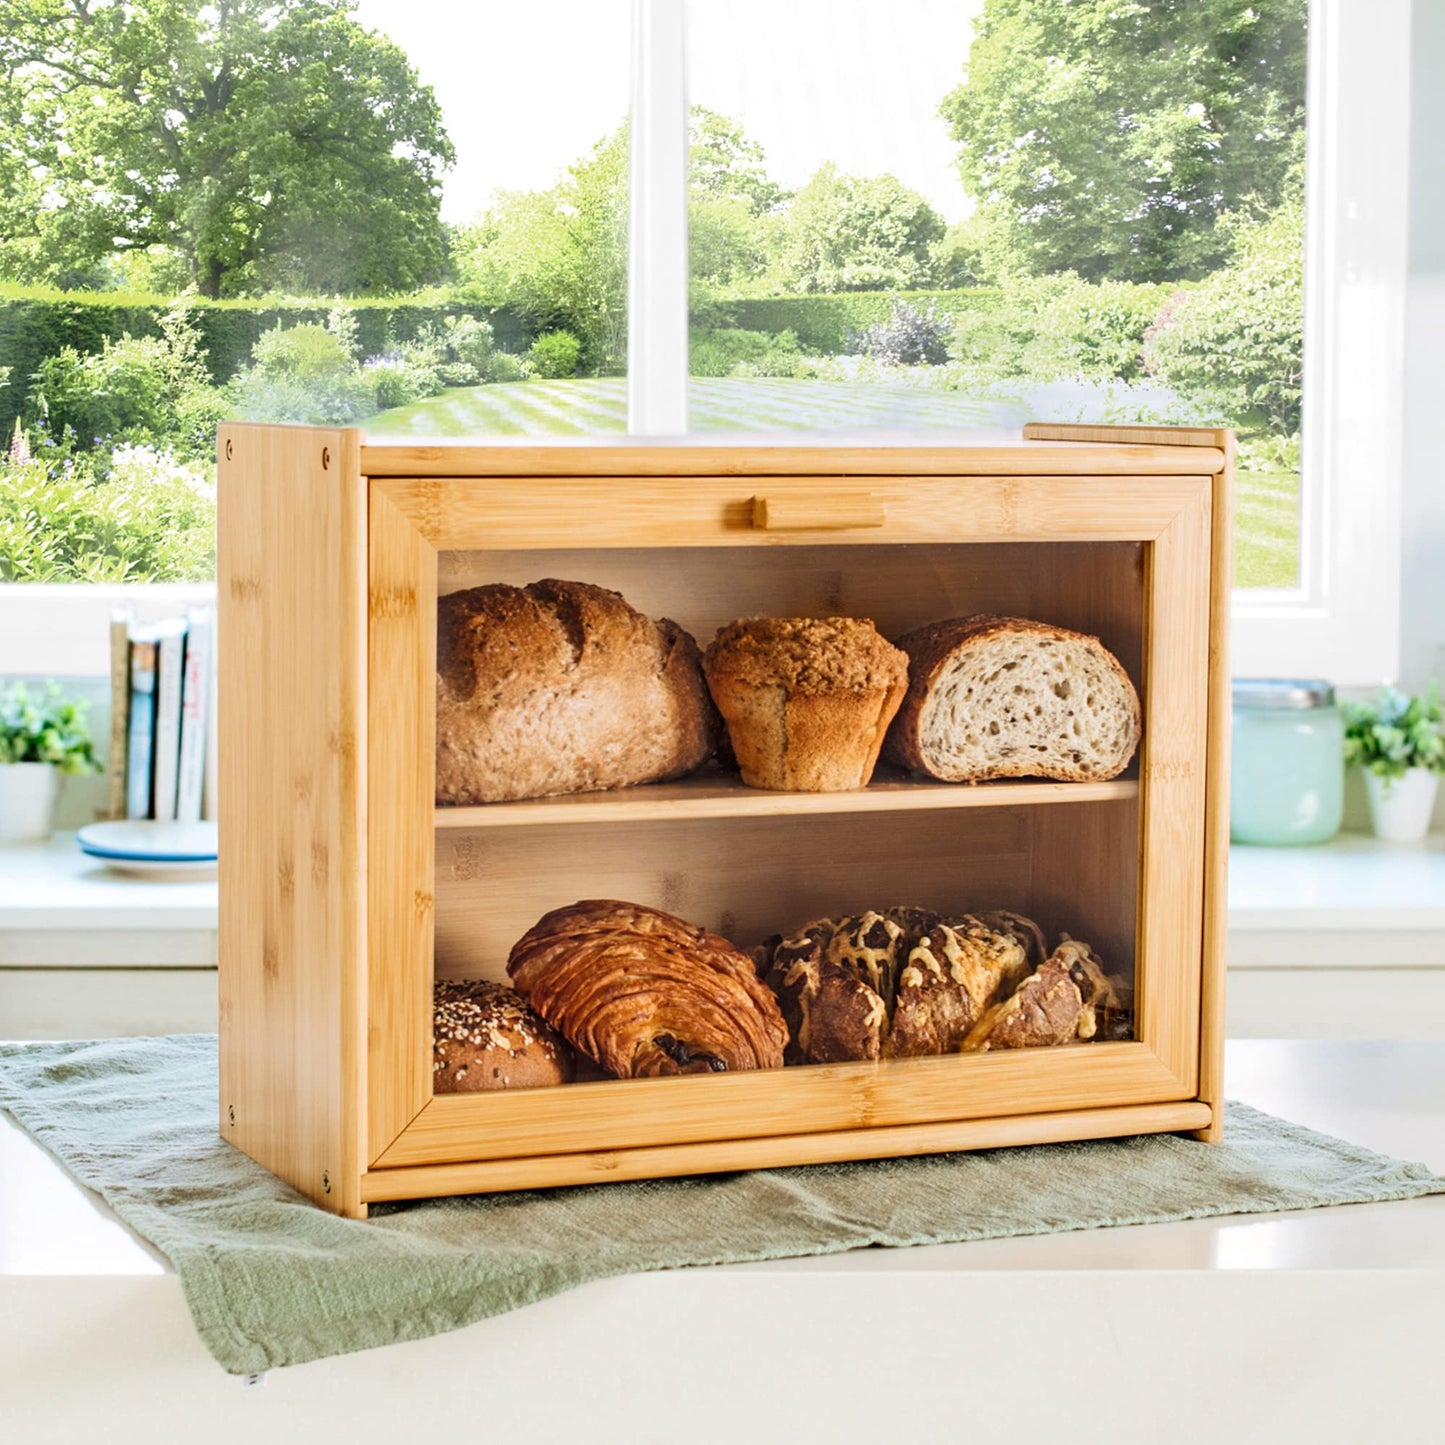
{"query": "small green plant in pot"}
pixel 1399 741
pixel 40 738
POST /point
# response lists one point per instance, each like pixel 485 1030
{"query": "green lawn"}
pixel 1267 504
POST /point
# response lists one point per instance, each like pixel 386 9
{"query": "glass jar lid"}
pixel 1282 692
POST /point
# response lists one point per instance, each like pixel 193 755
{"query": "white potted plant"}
pixel 1399 741
pixel 40 738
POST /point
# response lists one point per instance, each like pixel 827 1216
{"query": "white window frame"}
pixel 1342 622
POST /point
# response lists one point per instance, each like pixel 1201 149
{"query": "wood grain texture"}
pixel 291 579
pixel 745 880
pixel 402 773
pixel 1024 457
pixel 819 513
pixel 669 1160
pixel 632 1113
pixel 1190 436
pixel 1216 832
pixel 532 512
pixel 1173 785
pixel 714 794
pixel 1092 587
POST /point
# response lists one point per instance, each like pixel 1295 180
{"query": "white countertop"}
pixel 1318 1325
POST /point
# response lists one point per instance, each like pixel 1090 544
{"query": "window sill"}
pixel 1354 902
pixel 1350 903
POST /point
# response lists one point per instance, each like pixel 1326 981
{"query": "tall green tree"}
pixel 733 206
pixel 1108 137
pixel 857 233
pixel 559 256
pixel 268 141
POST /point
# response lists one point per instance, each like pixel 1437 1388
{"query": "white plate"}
pixel 198 871
pixel 145 844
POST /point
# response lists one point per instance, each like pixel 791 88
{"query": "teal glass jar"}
pixel 1287 762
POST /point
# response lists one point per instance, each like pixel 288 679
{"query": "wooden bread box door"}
pixel 1113 535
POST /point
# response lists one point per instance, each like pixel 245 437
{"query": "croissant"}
pixel 644 993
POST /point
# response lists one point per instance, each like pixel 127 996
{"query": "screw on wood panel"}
pixel 326 1181
pixel 228 448
pixel 231 1112
pixel 325 458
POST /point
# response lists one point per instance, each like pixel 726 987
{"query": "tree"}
pixel 1108 137
pixel 559 256
pixel 724 162
pixel 857 233
pixel 267 141
pixel 1236 343
pixel 732 206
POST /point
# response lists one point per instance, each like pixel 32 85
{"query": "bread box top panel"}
pixel 1000 456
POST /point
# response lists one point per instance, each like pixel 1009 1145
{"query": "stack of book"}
pixel 163 718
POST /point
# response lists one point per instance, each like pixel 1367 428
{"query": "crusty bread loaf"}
pixel 485 1037
pixel 807 700
pixel 644 993
pixel 1003 697
pixel 561 687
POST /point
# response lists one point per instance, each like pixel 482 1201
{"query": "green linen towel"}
pixel 272 1280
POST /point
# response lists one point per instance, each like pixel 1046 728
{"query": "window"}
pixel 781 240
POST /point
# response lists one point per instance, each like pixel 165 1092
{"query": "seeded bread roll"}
pixel 1003 697
pixel 807 701
pixel 485 1037
pixel 644 993
pixel 561 687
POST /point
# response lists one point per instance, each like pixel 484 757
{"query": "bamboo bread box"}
pixel 346 891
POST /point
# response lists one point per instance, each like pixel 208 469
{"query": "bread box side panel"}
pixel 291 578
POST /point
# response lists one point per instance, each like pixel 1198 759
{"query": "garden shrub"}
pixel 469 341
pixel 137 389
pixel 37 322
pixel 304 353
pixel 555 355
pixel 503 366
pixel 459 373
pixel 911 336
pixel 1235 342
pixel 823 323
pixel 140 515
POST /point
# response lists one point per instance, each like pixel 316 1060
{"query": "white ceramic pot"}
pixel 27 801
pixel 1400 808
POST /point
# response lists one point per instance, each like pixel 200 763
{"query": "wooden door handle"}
pixel 818 514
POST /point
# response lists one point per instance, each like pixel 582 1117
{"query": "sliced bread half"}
pixel 1005 697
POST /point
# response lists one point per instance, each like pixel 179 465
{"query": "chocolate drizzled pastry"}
pixel 906 982
pixel 1067 998
pixel 645 993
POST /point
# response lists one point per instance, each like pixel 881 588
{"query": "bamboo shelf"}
pixel 711 795
pixel 346 892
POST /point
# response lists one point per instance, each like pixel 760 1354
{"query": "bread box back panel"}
pixel 1117 534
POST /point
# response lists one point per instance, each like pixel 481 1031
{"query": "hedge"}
pixel 822 322
pixel 36 323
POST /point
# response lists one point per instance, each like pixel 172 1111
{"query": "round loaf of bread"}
pixel 1004 697
pixel 485 1037
pixel 561 687
pixel 807 701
